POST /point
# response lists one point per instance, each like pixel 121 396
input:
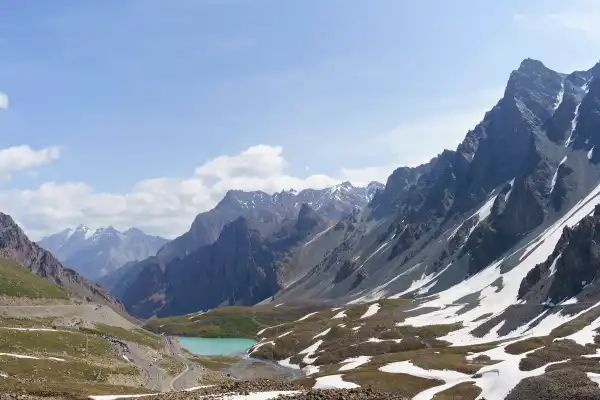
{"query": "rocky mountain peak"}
pixel 308 218
pixel 595 70
pixel 531 65
pixel 133 231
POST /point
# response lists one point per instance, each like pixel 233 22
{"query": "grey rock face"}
pixel 332 203
pixel 515 173
pixel 574 263
pixel 242 267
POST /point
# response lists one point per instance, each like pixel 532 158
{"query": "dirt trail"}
pixel 84 315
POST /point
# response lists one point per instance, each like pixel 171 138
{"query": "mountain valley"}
pixel 471 276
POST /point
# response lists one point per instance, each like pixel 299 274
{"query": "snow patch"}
pixel 30 357
pixel 333 382
pixel 325 332
pixel 318 235
pixel 555 176
pixel 307 316
pixel 586 335
pixel 311 370
pixel 372 310
pixel 512 186
pixel 573 125
pixel 309 351
pixel 354 362
pixel 560 97
pixel 287 363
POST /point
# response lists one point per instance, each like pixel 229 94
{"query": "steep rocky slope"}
pixel 518 171
pixel 267 213
pixel 14 245
pixel 97 253
pixel 244 266
pixel 332 203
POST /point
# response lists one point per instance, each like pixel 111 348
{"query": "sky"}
pixel 145 112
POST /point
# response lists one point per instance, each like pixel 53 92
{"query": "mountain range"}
pixel 273 225
pixel 433 227
pixel 95 253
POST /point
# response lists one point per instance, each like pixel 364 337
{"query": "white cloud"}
pixel 163 206
pixel 362 176
pixel 3 101
pixel 417 141
pixel 578 15
pixel 20 158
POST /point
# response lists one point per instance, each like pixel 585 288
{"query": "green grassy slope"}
pixel 230 322
pixel 18 281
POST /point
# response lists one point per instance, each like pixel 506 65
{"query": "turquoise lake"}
pixel 215 346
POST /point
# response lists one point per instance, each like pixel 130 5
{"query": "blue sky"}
pixel 127 99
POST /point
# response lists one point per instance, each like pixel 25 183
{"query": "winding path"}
pixel 189 376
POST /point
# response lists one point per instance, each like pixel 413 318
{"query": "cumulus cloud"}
pixel 20 158
pixel 161 206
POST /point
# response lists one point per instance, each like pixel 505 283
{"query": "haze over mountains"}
pixel 95 253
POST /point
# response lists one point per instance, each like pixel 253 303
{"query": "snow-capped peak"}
pixel 342 187
pixel 83 229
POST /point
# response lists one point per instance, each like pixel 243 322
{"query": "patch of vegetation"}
pixel 230 322
pixel 18 281
pixel 462 391
pixel 72 379
pixel 400 384
pixel 357 311
pixel 54 343
pixel 136 335
pixel 555 351
pixel 216 363
pixel 429 331
pixel 526 345
pixel 172 365
pixel 575 325
pixel 444 360
pixel 395 302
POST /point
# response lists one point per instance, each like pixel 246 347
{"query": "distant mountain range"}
pixel 95 253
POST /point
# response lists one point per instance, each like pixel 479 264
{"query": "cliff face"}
pixel 242 267
pixel 15 245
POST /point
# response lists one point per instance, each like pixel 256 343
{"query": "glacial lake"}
pixel 215 346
